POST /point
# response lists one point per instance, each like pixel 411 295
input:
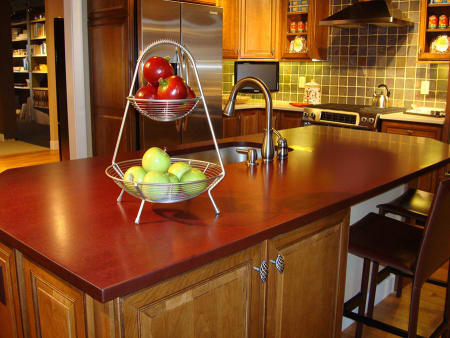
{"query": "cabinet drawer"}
pixel 412 129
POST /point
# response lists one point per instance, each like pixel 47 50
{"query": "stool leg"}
pixel 362 305
pixel 373 289
pixel 414 310
pixel 446 333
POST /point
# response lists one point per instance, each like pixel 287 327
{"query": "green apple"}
pixel 172 178
pixel 179 169
pixel 155 192
pixel 193 175
pixel 156 159
pixel 133 174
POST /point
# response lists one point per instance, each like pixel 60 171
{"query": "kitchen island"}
pixel 185 271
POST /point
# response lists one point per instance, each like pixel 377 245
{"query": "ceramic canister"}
pixel 312 92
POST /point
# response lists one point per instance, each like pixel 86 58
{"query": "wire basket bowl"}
pixel 166 192
pixel 164 110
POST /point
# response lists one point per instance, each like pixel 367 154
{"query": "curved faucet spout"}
pixel 268 148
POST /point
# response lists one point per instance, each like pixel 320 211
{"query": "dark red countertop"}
pixel 65 217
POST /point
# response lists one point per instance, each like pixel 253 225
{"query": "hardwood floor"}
pixel 28 159
pixel 395 311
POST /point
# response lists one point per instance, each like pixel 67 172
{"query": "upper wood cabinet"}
pixel 10 319
pixel 427 35
pixel 250 28
pixel 315 36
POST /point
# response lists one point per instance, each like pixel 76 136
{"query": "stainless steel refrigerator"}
pixel 199 29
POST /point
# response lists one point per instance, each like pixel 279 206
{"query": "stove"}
pixel 346 115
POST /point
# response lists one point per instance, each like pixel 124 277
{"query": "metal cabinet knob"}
pixel 263 271
pixel 279 263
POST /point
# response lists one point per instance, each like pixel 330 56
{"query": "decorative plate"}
pixel 440 45
pixel 299 44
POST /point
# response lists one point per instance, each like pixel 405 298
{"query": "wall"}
pixel 359 60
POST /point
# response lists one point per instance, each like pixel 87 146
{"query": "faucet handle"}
pixel 282 146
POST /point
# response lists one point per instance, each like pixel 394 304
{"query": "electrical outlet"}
pixel 301 81
pixel 425 87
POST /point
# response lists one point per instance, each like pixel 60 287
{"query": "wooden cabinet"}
pixel 10 319
pixel 230 28
pixel 427 182
pixel 309 32
pixel 53 308
pixel 201 2
pixel 250 29
pixel 111 32
pixel 310 288
pixel 253 121
pixel 228 298
pixel 221 299
pixel 428 35
pixel 290 120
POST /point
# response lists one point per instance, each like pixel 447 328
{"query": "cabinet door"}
pixel 53 308
pixel 306 299
pixel 290 120
pixel 10 321
pixel 221 299
pixel 230 28
pixel 258 33
pixel 231 126
pixel 249 121
pixel 263 120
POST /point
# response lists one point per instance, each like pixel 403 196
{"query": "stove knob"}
pixel 371 120
pixel 363 119
pixel 312 115
pixel 305 115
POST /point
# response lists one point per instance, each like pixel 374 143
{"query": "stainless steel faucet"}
pixel 268 148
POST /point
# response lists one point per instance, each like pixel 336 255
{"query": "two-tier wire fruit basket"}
pixel 167 110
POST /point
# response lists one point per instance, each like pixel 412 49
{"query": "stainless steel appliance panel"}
pixel 158 20
pixel 201 33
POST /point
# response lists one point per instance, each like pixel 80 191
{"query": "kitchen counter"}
pixel 413 118
pixel 260 104
pixel 65 217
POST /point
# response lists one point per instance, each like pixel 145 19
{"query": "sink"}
pixel 228 153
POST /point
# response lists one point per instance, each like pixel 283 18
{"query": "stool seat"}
pixel 386 241
pixel 414 203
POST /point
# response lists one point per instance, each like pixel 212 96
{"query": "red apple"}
pixel 156 68
pixel 172 88
pixel 146 92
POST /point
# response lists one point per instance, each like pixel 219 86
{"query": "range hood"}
pixel 361 13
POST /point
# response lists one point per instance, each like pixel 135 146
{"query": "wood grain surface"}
pixel 65 217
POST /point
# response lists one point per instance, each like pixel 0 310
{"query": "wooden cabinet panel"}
pixel 249 121
pixel 10 320
pixel 218 300
pixel 111 66
pixel 427 182
pixel 54 308
pixel 106 131
pixel 258 28
pixel 201 2
pixel 231 126
pixel 230 28
pixel 412 129
pixel 306 299
pixel 290 120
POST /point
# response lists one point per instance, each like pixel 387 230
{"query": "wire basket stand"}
pixel 167 110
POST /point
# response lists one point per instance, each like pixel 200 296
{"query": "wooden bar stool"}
pixel 414 205
pixel 407 249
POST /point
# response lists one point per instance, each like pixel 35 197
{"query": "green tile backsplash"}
pixel 359 60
